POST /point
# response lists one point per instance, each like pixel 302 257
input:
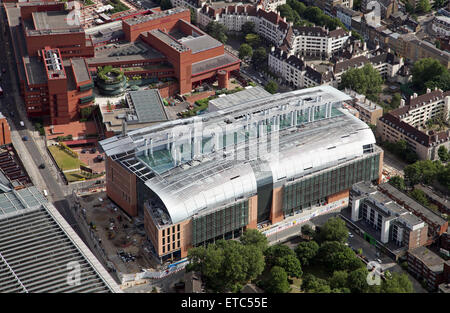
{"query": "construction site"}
pixel 122 241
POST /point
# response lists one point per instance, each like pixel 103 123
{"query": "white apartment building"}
pixel 295 71
pixel 441 26
pixel 345 15
pixel 408 123
pixel 317 41
pixel 386 63
pixel 271 5
pixel 269 25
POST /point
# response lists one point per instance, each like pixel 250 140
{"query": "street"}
pixel 392 164
pixel 33 151
pixel 369 251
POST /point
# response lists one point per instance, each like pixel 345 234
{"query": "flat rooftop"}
pixel 150 17
pixel 429 258
pixel 53 20
pixel 213 63
pixel 168 40
pixel 427 213
pixel 80 70
pixel 138 51
pixel 201 43
pixel 35 70
pixel 226 101
pixel 148 105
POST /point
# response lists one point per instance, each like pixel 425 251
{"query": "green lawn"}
pixel 63 159
pixel 77 176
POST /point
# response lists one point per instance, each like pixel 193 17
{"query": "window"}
pixel 163 232
pixel 178 227
pixel 164 241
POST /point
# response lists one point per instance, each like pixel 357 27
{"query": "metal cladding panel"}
pixel 218 191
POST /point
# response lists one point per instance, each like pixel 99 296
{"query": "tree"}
pixel 255 238
pixel 226 265
pixel 424 171
pixel 248 27
pixel 443 154
pixel 313 284
pixel 277 251
pixel 259 57
pixel 217 30
pixel 398 283
pixel 287 12
pixel 338 280
pixel 336 256
pixel 272 87
pixel 423 6
pixel 307 230
pixel 193 16
pixel 437 43
pixel 365 80
pixel 252 39
pixel 419 196
pixel 357 280
pixel 395 101
pixel 277 281
pixel 397 182
pixel 333 230
pixel 291 265
pixel 245 51
pixel 165 5
pixel 429 72
pixel 306 251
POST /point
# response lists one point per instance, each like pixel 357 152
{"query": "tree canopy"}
pixel 333 230
pixel 366 80
pixel 306 251
pixel 336 256
pixel 255 238
pixel 217 30
pixel 248 27
pixel 259 57
pixel 398 283
pixel 277 281
pixel 227 265
pixel 252 39
pixel 443 154
pixel 245 51
pixel 272 87
pixel 430 73
pixel 397 182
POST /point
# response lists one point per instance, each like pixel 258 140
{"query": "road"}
pixel 369 251
pixel 164 283
pixel 393 164
pixel 32 151
pixel 290 234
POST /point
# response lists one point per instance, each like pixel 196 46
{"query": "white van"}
pixel 45 193
pixel 22 123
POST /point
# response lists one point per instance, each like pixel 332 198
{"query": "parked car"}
pixel 42 166
pixel 25 138
pixel 22 123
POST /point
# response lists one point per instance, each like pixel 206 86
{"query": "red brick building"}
pixel 162 45
pixel 194 55
pixel 49 50
pixel 425 265
pixel 5 131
